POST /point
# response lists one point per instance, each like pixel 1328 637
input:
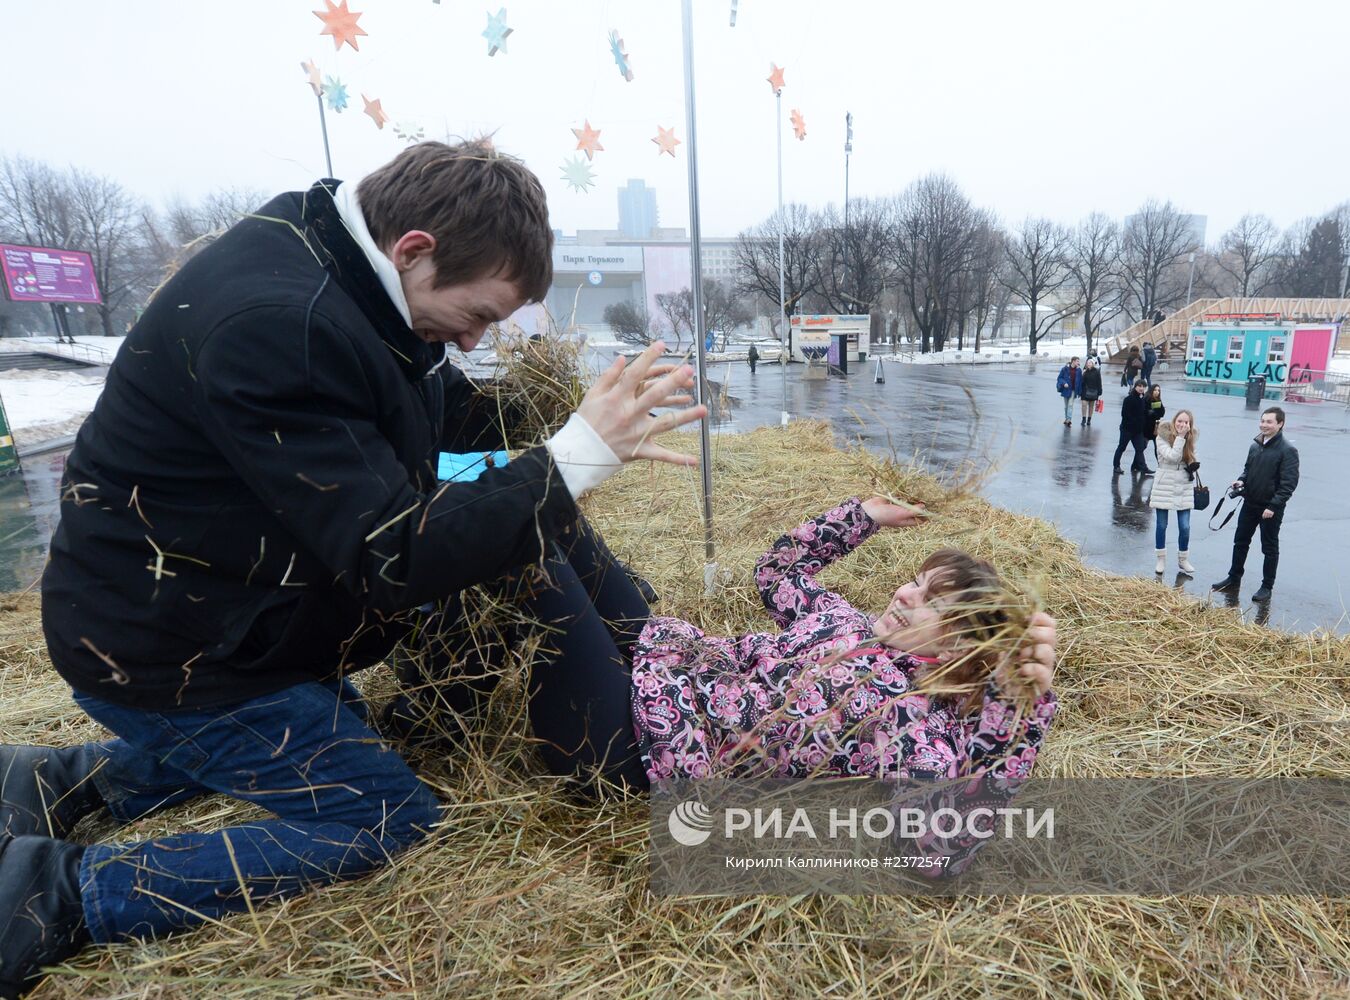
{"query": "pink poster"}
pixel 1310 353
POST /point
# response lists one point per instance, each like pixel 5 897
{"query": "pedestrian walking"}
pixel 1133 423
pixel 1091 391
pixel 753 357
pixel 1150 358
pixel 1069 384
pixel 1174 488
pixel 1134 364
pixel 1154 412
pixel 1268 480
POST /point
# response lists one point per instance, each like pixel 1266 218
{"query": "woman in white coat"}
pixel 1174 487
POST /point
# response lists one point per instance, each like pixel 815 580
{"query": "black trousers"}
pixel 580 684
pixel 1249 519
pixel 1131 438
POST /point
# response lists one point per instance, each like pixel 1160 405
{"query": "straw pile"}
pixel 529 891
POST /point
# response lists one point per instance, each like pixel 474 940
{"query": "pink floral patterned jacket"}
pixel 795 704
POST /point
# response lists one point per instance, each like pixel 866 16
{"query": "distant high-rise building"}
pixel 637 210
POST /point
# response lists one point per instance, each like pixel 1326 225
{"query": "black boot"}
pixel 1229 582
pixel 41 919
pixel 45 790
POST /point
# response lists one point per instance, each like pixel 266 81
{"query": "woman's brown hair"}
pixel 1168 432
pixel 983 616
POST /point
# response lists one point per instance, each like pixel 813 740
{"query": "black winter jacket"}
pixel 253 500
pixel 1270 474
pixel 1092 383
pixel 1134 414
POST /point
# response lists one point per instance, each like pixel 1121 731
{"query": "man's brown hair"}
pixel 487 211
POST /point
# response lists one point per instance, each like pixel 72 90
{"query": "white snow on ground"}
pixel 42 405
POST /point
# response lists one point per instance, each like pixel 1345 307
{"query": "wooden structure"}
pixel 1172 332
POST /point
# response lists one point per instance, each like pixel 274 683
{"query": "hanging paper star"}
pixel 776 78
pixel 409 132
pixel 335 92
pixel 588 140
pixel 665 138
pixel 578 174
pixel 376 112
pixel 798 124
pixel 620 56
pixel 341 24
pixel 312 72
pixel 496 31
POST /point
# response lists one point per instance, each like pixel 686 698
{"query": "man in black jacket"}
pixel 1268 480
pixel 1133 423
pixel 247 517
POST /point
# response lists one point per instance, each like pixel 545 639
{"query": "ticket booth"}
pixel 812 336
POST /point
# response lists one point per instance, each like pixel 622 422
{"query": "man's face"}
pixel 1269 425
pixel 456 314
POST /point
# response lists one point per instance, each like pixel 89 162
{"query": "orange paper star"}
pixel 798 124
pixel 376 112
pixel 665 138
pixel 776 78
pixel 588 140
pixel 341 24
pixel 315 81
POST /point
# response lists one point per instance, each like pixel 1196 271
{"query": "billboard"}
pixel 47 274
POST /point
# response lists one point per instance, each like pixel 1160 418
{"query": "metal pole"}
pixel 783 326
pixel 1191 280
pixel 696 266
pixel 323 124
pixel 848 149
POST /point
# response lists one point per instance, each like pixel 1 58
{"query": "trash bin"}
pixel 1256 391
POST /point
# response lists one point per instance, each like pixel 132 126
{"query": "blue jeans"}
pixel 344 804
pixel 1068 407
pixel 1183 529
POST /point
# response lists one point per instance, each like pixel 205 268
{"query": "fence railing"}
pixel 77 351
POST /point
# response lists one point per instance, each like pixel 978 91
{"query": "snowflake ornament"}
pixel 496 32
pixel 409 132
pixel 620 56
pixel 578 174
pixel 335 93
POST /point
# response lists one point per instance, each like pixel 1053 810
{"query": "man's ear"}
pixel 411 247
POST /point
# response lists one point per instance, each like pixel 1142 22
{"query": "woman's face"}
pixel 1182 424
pixel 913 620
pixel 1156 393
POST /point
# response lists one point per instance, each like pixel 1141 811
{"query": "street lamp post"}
pixel 848 149
pixel 1190 282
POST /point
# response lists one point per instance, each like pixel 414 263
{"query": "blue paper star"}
pixel 336 93
pixel 620 56
pixel 496 31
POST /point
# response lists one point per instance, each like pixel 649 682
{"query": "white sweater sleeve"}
pixel 584 460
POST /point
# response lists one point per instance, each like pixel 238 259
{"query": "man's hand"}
pixel 618 406
pixel 1237 484
pixel 1036 661
pixel 890 515
pixel 1267 514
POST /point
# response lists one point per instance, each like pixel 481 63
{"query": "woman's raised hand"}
pixel 891 515
pixel 618 406
pixel 1036 661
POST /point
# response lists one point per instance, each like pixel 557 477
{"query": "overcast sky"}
pixel 1042 107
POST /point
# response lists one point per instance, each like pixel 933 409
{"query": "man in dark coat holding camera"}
pixel 1268 480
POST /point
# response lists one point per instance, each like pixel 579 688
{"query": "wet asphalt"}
pixel 948 416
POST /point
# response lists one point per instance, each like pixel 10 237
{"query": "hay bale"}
pixel 531 892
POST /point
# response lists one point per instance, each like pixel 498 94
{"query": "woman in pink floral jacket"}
pixel 838 692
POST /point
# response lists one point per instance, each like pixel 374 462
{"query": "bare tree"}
pixel 1154 248
pixel 723 311
pixel 934 232
pixel 1037 257
pixel 1248 254
pixel 1093 260
pixel 757 256
pixel 215 213
pixel 854 264
pixel 110 222
pixel 630 323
